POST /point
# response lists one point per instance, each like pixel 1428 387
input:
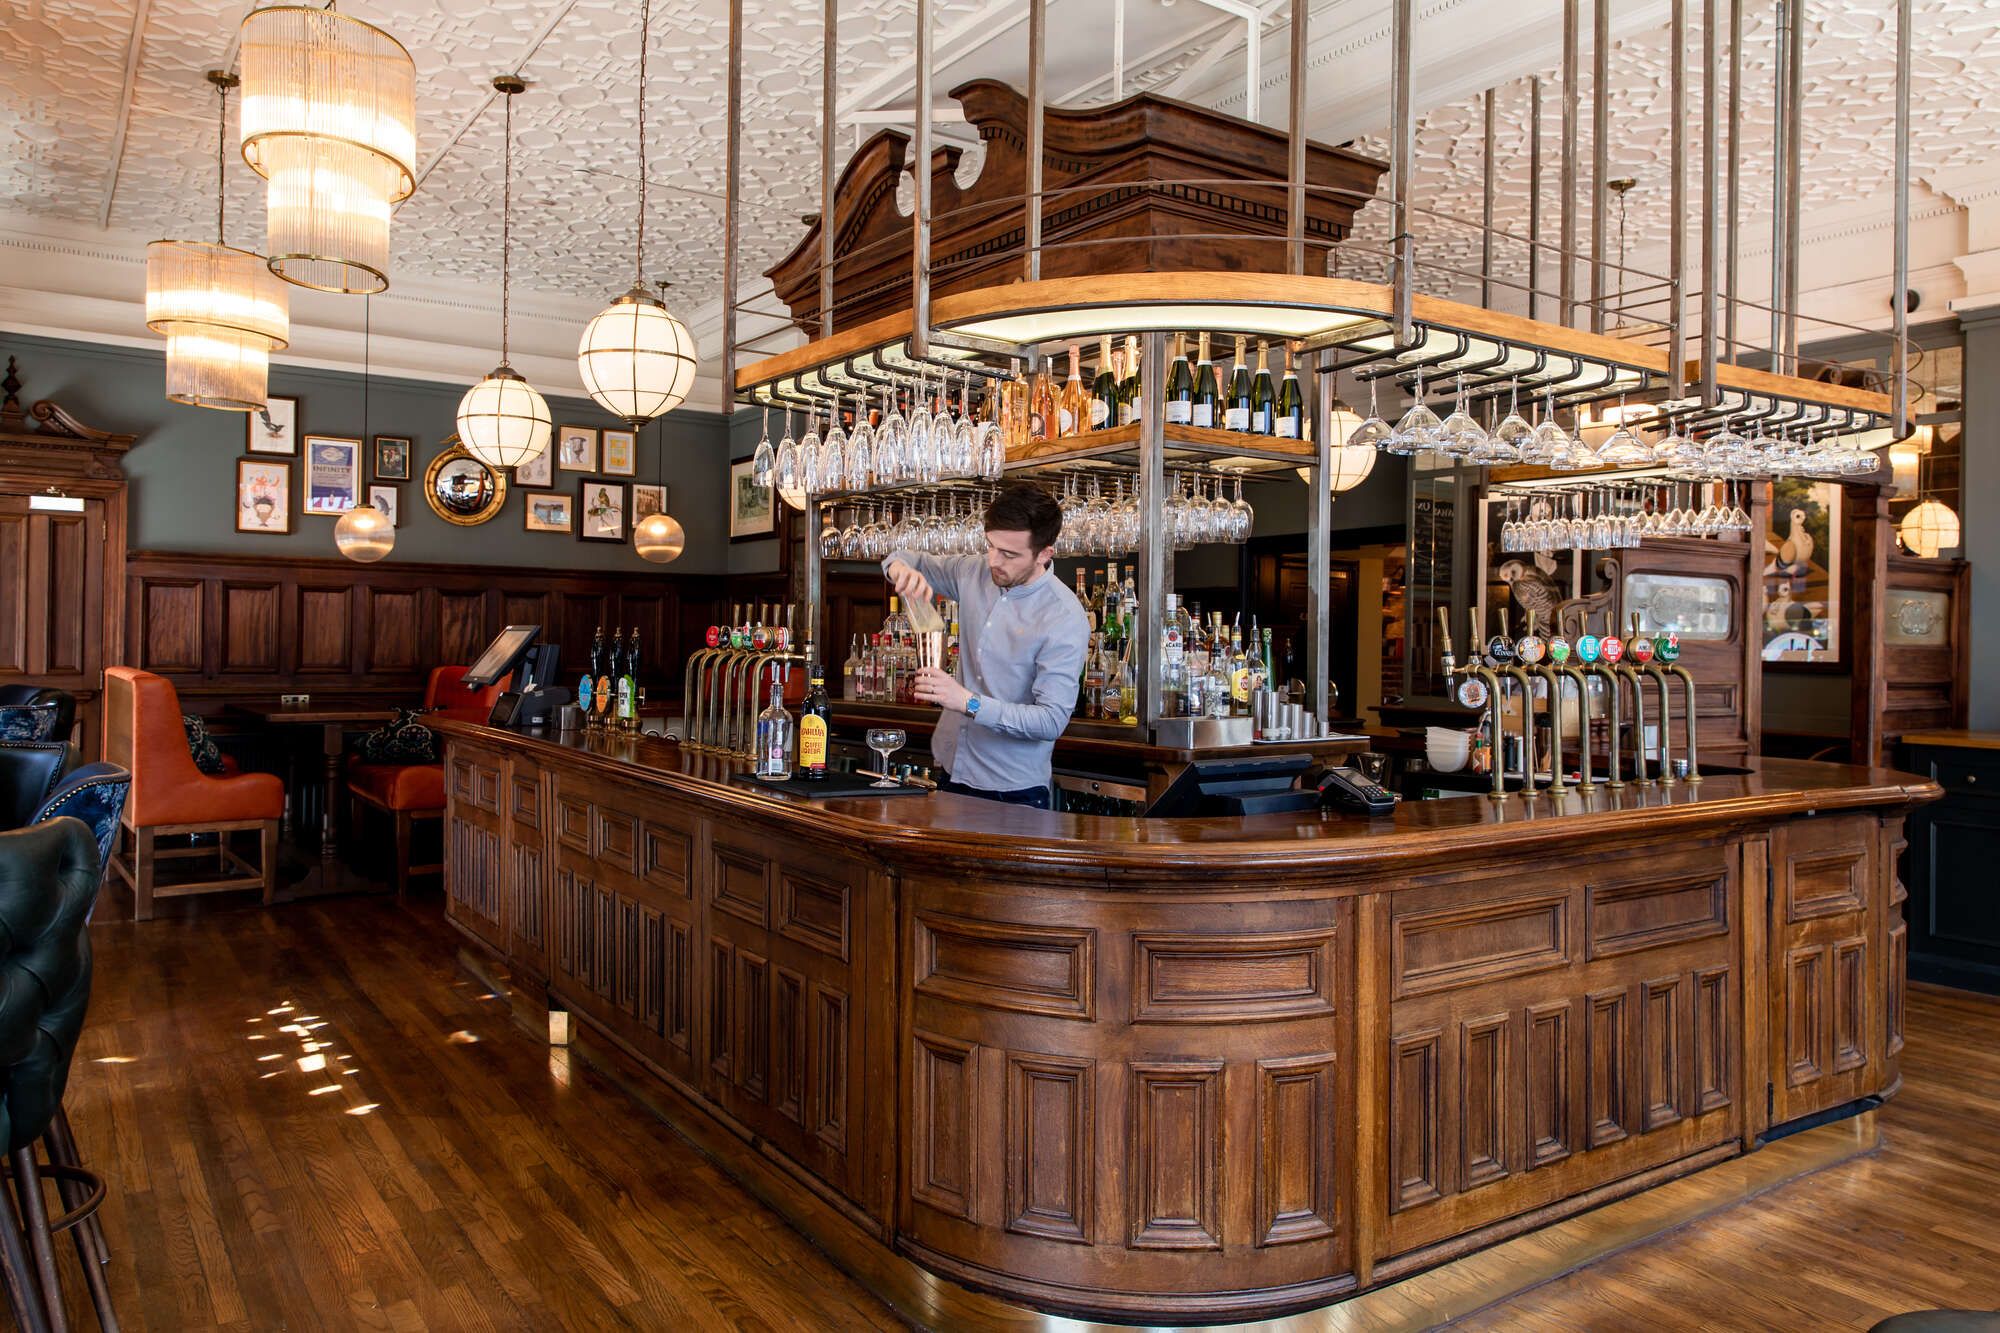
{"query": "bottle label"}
pixel 1066 421
pixel 812 743
pixel 1178 412
pixel 1204 415
pixel 1239 685
pixel 1128 413
pixel 1285 428
pixel 626 698
pixel 1100 414
pixel 1236 418
pixel 1038 426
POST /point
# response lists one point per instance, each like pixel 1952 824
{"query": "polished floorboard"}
pixel 312 1118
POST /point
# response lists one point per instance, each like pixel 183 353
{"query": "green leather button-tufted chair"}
pixel 49 876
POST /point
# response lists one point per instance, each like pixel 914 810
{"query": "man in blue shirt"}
pixel 1022 639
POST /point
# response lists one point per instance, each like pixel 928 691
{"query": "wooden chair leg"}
pixel 403 841
pixel 91 1249
pixel 270 840
pixel 24 1294
pixel 34 1209
pixel 142 874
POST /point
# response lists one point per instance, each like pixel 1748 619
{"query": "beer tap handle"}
pixel 1449 658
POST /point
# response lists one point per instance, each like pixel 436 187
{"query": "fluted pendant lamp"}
pixel 222 311
pixel 329 120
pixel 502 421
pixel 635 358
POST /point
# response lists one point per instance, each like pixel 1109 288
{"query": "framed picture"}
pixel 648 500
pixel 576 448
pixel 272 428
pixel 539 471
pixel 333 474
pixel 460 489
pixel 620 452
pixel 392 458
pixel 388 499
pixel 263 496
pixel 549 511
pixel 603 511
pixel 1802 573
pixel 750 512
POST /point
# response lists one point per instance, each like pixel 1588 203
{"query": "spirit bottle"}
pixel 814 718
pixel 774 736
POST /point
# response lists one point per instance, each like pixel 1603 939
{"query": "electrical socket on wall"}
pixel 294 700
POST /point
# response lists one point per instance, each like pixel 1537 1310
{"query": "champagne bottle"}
pixel 1129 402
pixel 1180 387
pixel 1263 398
pixel 1042 409
pixel 1074 409
pixel 1236 416
pixel 1207 395
pixel 814 719
pixel 1104 389
pixel 1289 422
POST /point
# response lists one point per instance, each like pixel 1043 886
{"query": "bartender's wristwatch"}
pixel 972 705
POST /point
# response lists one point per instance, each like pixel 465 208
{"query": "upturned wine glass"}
pixel 765 456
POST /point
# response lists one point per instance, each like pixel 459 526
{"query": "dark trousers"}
pixel 1038 797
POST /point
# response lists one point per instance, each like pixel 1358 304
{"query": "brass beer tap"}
pixel 1514 671
pixel 1589 650
pixel 1640 648
pixel 1474 670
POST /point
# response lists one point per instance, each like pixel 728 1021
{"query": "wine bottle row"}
pixel 1249 400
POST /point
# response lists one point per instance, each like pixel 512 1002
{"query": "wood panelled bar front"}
pixel 1198 1069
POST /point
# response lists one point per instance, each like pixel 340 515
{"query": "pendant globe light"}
pixel 659 537
pixel 502 421
pixel 364 533
pixel 221 309
pixel 635 358
pixel 329 120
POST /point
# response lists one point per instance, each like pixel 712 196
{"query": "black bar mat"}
pixel 834 784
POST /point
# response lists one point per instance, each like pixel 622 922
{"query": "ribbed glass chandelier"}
pixel 502 421
pixel 635 358
pixel 222 311
pixel 329 120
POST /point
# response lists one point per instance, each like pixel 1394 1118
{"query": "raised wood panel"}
pixel 395 630
pixel 943 1093
pixel 1476 945
pixel 1899 980
pixel 573 822
pixel 250 627
pixel 1232 978
pixel 664 854
pixel 1297 1150
pixel 740 884
pixel 1850 1005
pixel 462 631
pixel 14 544
pixel 753 1025
pixel 1607 1066
pixel 614 839
pixel 1551 1123
pixel 1807 1031
pixel 1002 965
pixel 473 878
pixel 1827 882
pixel 1664 1067
pixel 813 913
pixel 1051 1147
pixel 1486 1096
pixel 526 918
pixel 828 1074
pixel 475 783
pixel 1714 1043
pixel 680 980
pixel 524 804
pixel 719 990
pixel 526 608
pixel 1175 1159
pixel 170 627
pixel 1416 1112
pixel 326 629
pixel 70 557
pixel 653 969
pixel 788 1045
pixel 1623 918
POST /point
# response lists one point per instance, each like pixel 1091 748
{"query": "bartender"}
pixel 1022 639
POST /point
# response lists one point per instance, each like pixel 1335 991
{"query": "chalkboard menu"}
pixel 1433 525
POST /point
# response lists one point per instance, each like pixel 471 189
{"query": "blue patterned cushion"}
pixel 94 793
pixel 28 722
pixel 207 754
pixel 401 740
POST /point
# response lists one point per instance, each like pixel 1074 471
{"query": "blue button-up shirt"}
pixel 1021 651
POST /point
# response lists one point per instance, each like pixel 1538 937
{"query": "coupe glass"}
pixel 1419 430
pixel 1460 435
pixel 1503 445
pixel 885 741
pixel 1374 432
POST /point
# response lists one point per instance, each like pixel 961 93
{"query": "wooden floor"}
pixel 309 1117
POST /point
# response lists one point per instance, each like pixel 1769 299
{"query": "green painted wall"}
pixel 183 468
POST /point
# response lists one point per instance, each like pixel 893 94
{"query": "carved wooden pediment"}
pixel 1143 185
pixel 45 439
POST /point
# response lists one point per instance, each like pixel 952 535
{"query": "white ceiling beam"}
pixel 135 46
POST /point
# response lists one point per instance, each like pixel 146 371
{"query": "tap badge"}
pixel 1558 650
pixel 1587 647
pixel 1472 692
pixel 1530 649
pixel 1668 647
pixel 1641 649
pixel 1611 648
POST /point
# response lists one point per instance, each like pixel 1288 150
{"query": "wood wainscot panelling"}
pixel 222 627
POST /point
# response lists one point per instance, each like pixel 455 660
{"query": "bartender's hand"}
pixel 908 583
pixel 938 687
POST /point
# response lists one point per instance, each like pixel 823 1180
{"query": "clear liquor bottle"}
pixel 774 736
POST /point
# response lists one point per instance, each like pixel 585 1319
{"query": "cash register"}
pixel 534 695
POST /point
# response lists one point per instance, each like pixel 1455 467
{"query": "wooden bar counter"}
pixel 1199 1069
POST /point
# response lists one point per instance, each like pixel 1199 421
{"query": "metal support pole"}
pixel 1155 551
pixel 1486 209
pixel 1031 261
pixel 1117 50
pixel 1319 540
pixel 1779 122
pixel 1295 148
pixel 1600 155
pixel 1677 207
pixel 1402 130
pixel 1794 133
pixel 1711 212
pixel 1535 196
pixel 829 115
pixel 1735 173
pixel 1900 399
pixel 1566 203
pixel 732 168
pixel 920 216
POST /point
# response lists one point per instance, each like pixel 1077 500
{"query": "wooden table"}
pixel 334 719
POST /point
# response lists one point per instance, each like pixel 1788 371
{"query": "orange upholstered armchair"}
pixel 408 793
pixel 171 797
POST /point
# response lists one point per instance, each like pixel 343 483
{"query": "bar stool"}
pixel 49 876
